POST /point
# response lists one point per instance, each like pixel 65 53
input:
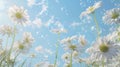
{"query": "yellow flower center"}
pixel 118 33
pixel 103 48
pixel 21 47
pixel 91 9
pixel 18 15
pixel 115 15
pixel 72 47
pixel 66 57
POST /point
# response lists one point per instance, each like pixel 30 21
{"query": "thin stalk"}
pixel 6 42
pixel 57 48
pixel 10 51
pixel 15 59
pixel 12 41
pixel 97 25
pixel 23 63
pixel 5 49
pixel 71 60
pixel 118 25
pixel 103 63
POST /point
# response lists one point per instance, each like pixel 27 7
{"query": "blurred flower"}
pixel 103 50
pixel 68 39
pixel 21 47
pixel 72 43
pixel 66 57
pixel 75 54
pixel 112 16
pixel 59 31
pixel 2 53
pixel 32 55
pixel 39 49
pixel 27 38
pixel 66 65
pixel 114 36
pixel 44 64
pixel 7 30
pixel 82 40
pixel 18 15
pixel 91 9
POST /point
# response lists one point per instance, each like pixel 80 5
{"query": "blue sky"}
pixel 67 13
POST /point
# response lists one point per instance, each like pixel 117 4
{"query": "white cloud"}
pixel 43 50
pixel 50 21
pixel 37 22
pixel 75 24
pixel 31 2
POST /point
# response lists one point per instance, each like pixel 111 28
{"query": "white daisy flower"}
pixel 7 30
pixel 66 57
pixel 114 36
pixel 112 16
pixel 75 54
pixel 72 43
pixel 103 49
pixel 82 40
pixel 91 9
pixel 68 39
pixel 19 15
pixel 28 38
pixel 21 47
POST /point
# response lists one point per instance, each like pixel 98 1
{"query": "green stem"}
pixel 71 60
pixel 15 59
pixel 103 63
pixel 97 25
pixel 5 49
pixel 56 54
pixel 118 25
pixel 10 51
pixel 6 42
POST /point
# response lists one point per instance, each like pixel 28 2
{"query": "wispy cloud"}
pixel 50 21
pixel 2 4
pixel 74 24
pixel 44 9
pixel 31 2
pixel 37 22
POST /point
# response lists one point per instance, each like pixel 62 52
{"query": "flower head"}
pixel 18 15
pixel 21 47
pixel 91 9
pixel 27 38
pixel 66 57
pixel 72 44
pixel 82 40
pixel 104 49
pixel 7 30
pixel 112 16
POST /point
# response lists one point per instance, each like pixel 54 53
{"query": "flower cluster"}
pixel 103 52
